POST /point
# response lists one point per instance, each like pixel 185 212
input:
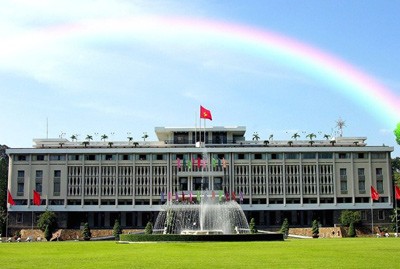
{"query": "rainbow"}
pixel 333 72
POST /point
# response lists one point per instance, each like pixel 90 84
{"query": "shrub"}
pixel 285 227
pixel 86 234
pixel 149 228
pixel 352 230
pixel 47 220
pixel 117 229
pixel 253 228
pixel 47 233
pixel 315 228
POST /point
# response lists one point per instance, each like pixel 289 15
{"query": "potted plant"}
pixel 315 229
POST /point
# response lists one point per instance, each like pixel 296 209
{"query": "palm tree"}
pixel 290 143
pixel 295 136
pixel 311 136
pixel 145 136
pixel 85 143
pixel 135 144
pixel 255 136
pixel 89 137
pixel 266 142
pixel 311 142
pixel 355 143
pixel 110 144
pixel 104 137
pixel 326 136
pixel 271 137
pixel 61 144
pixel 74 137
pixel 130 138
pixel 332 142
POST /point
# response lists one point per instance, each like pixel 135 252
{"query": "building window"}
pixel 359 155
pixel 57 157
pixel 343 156
pixel 361 180
pixel 291 156
pixel 159 157
pixel 274 156
pixel 126 157
pixel 325 155
pixel 38 157
pixel 183 184
pixel 57 183
pixel 109 157
pixel 20 182
pixel 90 157
pixel 38 180
pixel 258 156
pixel 21 158
pixel 363 215
pixel 217 184
pixel 199 185
pixel 241 156
pixel 381 215
pixel 181 138
pixel 379 180
pixel 378 155
pixel 309 155
pixel 74 157
pixel 142 157
pixel 19 217
pixel 343 180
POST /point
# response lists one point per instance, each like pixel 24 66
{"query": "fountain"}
pixel 206 215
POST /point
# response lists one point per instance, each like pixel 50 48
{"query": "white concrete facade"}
pixel 294 179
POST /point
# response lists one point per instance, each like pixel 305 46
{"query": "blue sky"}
pixel 123 84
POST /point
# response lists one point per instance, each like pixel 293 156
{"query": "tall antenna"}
pixel 340 124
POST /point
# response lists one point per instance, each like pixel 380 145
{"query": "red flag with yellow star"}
pixel 205 113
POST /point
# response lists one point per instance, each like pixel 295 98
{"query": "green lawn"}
pixel 292 253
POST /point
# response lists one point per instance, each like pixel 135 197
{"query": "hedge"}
pixel 198 238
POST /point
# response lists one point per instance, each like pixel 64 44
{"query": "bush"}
pixel 117 229
pixel 47 233
pixel 285 227
pixel 86 234
pixel 315 228
pixel 253 228
pixel 352 230
pixel 149 228
pixel 47 220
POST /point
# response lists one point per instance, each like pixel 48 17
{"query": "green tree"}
pixel 350 218
pixel 47 233
pixel 104 137
pixel 149 228
pixel 3 188
pixel 252 226
pixel 397 133
pixel 117 229
pixel 48 220
pixel 352 230
pixel 86 234
pixel 285 227
pixel 315 228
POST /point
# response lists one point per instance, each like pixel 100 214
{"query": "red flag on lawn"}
pixel 397 190
pixel 205 113
pixel 10 199
pixel 374 194
pixel 36 198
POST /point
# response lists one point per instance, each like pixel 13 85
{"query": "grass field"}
pixel 292 253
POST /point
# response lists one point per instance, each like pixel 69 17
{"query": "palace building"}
pixel 98 182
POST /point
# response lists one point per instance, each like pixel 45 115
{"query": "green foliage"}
pixel 149 228
pixel 352 230
pixel 347 217
pixel 200 238
pixel 285 227
pixel 48 219
pixel 252 226
pixel 395 217
pixel 47 233
pixel 397 133
pixel 86 234
pixel 315 227
pixel 117 229
pixel 3 182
